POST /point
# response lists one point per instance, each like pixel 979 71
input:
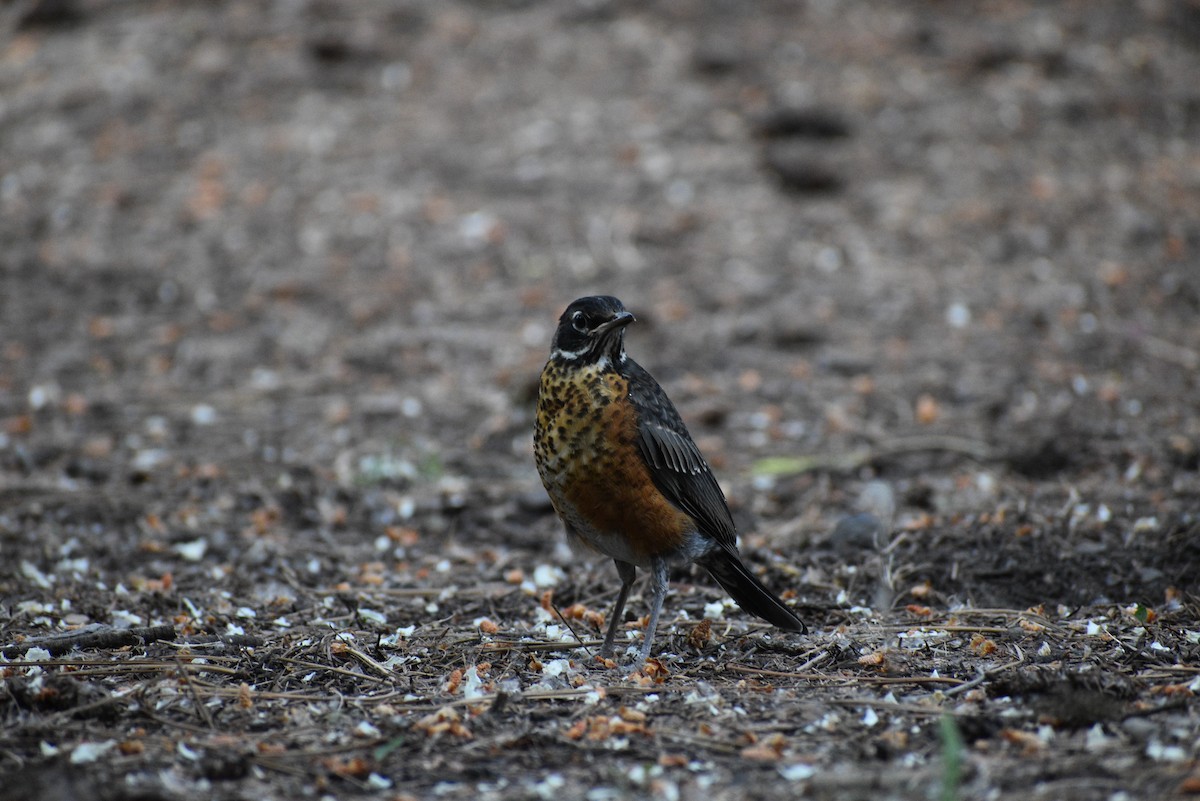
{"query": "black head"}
pixel 590 330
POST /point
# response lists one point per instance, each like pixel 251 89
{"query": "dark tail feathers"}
pixel 750 594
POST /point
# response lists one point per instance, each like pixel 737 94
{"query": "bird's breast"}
pixel 585 445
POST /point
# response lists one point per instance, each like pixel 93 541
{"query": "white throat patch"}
pixel 567 355
pixel 573 355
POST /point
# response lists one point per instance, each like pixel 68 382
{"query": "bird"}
pixel 624 475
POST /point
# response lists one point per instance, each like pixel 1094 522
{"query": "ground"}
pixel 276 282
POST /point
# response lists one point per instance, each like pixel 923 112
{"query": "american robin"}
pixel 624 474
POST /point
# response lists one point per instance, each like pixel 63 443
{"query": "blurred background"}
pixel 277 279
pixel 950 245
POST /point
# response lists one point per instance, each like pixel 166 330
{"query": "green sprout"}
pixel 952 757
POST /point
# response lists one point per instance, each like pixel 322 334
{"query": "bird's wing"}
pixel 675 463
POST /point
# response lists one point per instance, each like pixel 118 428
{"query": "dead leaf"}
pixel 981 645
pixel 1028 743
pixel 874 659
pixel 700 635
pixel 444 721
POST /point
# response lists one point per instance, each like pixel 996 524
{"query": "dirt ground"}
pixel 276 282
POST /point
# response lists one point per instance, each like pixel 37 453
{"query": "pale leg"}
pixel 658 590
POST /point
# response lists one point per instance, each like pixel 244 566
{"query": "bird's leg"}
pixel 658 590
pixel 627 572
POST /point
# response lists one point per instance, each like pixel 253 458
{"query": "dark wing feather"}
pixel 676 465
pixel 750 593
pixel 681 474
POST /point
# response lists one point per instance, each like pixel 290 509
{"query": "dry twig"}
pixel 96 635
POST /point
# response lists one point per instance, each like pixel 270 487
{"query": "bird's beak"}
pixel 619 320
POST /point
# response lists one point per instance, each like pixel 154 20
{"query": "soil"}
pixel 276 283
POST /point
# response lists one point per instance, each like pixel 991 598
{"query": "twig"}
pixel 96 635
pixel 878 703
pixel 432 702
pixel 934 627
pixel 781 674
pixel 94 668
pixel 845 679
pixel 559 695
pixel 709 743
pixel 1160 348
pixel 989 611
pixel 980 678
pixel 1179 703
pixel 983 676
pixel 156 666
pixel 273 763
pixel 1174 669
pixel 332 669
pixel 910 680
pixel 222 641
pixel 219 691
pixel 201 709
pixel 144 709
pixel 816 660
pixel 570 628
pixel 98 704
pixel 996 612
pixel 540 645
pixel 491 590
pixel 369 662
pixel 309 753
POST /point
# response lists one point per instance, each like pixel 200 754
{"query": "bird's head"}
pixel 591 331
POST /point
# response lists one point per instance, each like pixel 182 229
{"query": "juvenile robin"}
pixel 624 474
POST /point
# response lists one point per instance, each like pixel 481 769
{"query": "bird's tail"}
pixel 750 593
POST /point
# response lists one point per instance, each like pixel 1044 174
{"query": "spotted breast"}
pixel 585 446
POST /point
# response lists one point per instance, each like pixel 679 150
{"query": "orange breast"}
pixel 591 466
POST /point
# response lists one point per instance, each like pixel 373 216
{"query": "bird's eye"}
pixel 578 322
